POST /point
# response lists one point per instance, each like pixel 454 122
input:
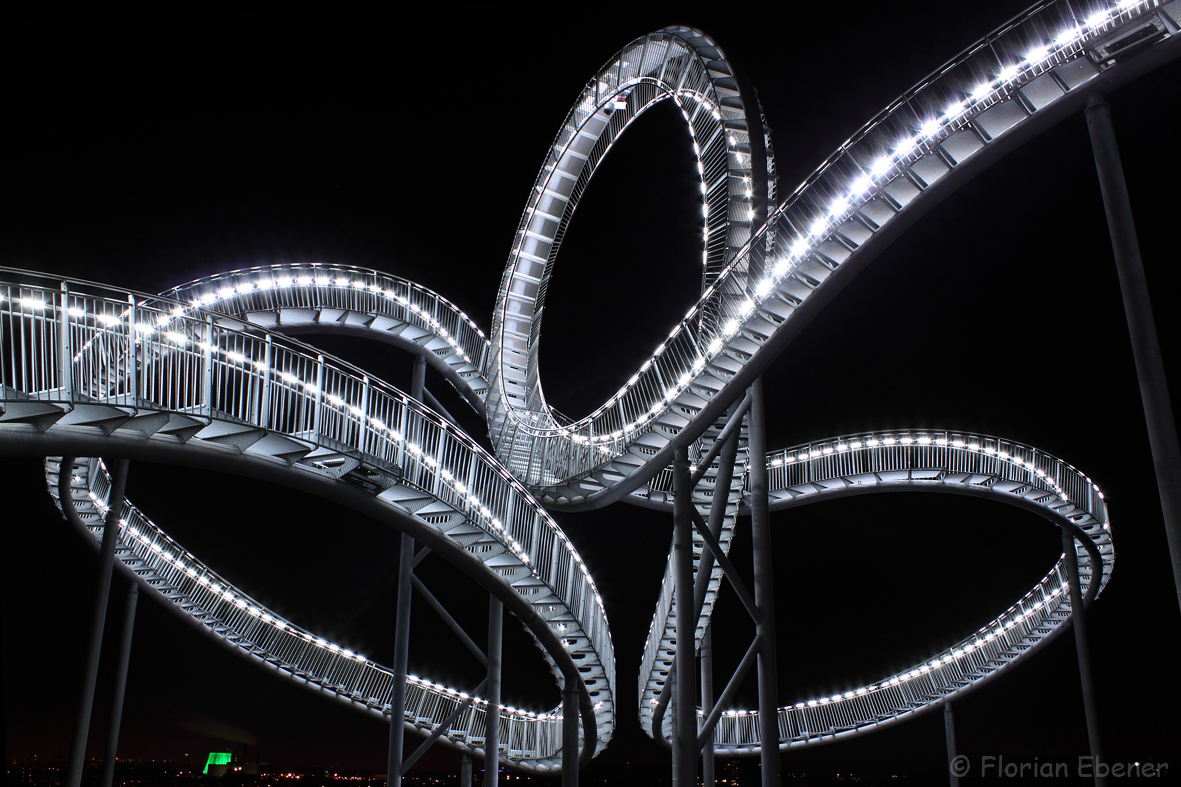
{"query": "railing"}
pixel 991 87
pixel 82 345
pixel 920 460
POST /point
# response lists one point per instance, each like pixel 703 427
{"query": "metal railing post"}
pixel 760 524
pixel 98 621
pixel 1150 369
pixel 65 355
pixel 121 664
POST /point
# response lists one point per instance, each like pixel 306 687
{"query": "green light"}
pixel 217 758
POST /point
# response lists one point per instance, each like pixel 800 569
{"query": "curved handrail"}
pixel 924 461
pixel 82 354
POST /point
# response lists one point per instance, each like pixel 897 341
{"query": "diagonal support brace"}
pixel 442 727
pixel 731 689
pixel 450 621
pixel 711 543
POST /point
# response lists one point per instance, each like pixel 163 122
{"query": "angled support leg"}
pixel 99 618
pixel 401 658
pixel 122 660
pixel 1078 621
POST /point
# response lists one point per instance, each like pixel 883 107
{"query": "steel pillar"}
pixel 401 657
pixel 1079 623
pixel 418 378
pixel 949 733
pixel 570 716
pixel 707 703
pixel 1150 369
pixel 492 733
pixel 98 621
pixel 760 525
pixel 121 662
pixel 465 770
pixel 685 698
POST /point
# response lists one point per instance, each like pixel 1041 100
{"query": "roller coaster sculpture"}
pixel 206 375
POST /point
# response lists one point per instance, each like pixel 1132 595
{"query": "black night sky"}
pixel 146 151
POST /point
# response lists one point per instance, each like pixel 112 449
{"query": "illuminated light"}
pixel 818 226
pixel 954 110
pixel 763 288
pixel 881 166
pixel 178 338
pixel 904 146
pixel 32 303
pixel 163 320
pixel 931 128
pixel 208 298
pixel 323 281
pixel 827 451
pixel 265 284
pixel 924 440
pixel 800 247
pixel 981 91
pixel 1008 73
pixel 1067 36
pixel 907 440
pixel 889 441
pixel 74 311
pixel 242 289
pixel 838 206
pixel 1097 19
pixel 236 357
pixel 873 443
pixel 225 292
pixel 1037 54
pixel 958 443
pixel 861 184
pixel 855 445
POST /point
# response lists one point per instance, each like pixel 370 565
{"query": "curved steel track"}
pixel 204 376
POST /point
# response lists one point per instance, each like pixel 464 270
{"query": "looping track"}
pixel 204 376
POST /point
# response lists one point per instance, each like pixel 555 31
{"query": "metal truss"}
pixel 204 376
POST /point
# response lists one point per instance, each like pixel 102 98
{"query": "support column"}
pixel 122 660
pixel 1150 369
pixel 685 698
pixel 401 657
pixel 570 732
pixel 492 733
pixel 1079 623
pixel 465 770
pixel 98 622
pixel 707 704
pixel 760 524
pixel 418 378
pixel 949 732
